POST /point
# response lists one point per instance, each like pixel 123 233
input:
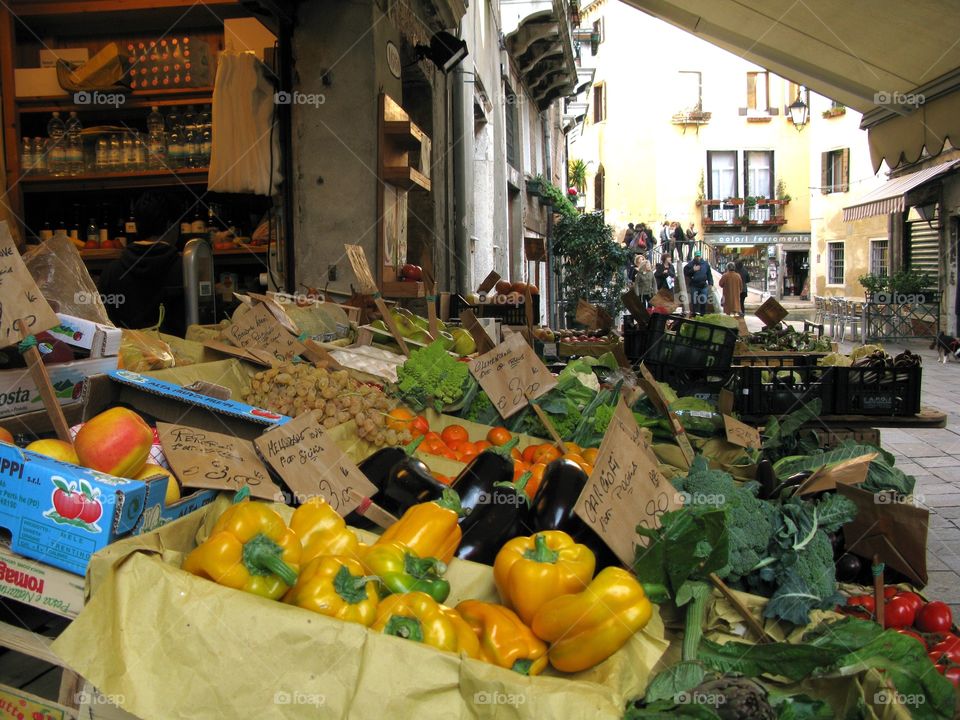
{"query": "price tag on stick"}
pixel 652 388
pixel 214 461
pixel 738 433
pixel 368 286
pixel 258 329
pixel 511 373
pixel 21 304
pixel 311 463
pixel 626 488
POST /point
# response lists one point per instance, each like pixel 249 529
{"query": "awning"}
pixel 875 56
pixel 891 196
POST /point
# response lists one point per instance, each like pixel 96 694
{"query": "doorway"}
pixel 796 273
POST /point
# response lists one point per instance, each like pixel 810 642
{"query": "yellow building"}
pixel 674 127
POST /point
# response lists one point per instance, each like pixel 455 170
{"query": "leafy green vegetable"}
pixel 785 435
pixel 800 707
pixel 431 376
pixel 578 381
pixel 881 475
pixel 562 411
pixel 671 682
pixel 697 415
pixel 841 649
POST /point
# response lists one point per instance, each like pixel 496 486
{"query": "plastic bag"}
pixel 58 270
pixel 143 350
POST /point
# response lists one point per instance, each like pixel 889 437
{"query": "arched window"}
pixel 598 183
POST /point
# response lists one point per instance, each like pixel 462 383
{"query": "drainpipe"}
pixel 461 186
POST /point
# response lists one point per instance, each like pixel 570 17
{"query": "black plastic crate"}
pixel 765 359
pixel 781 390
pixel 866 391
pixel 688 344
pixel 705 384
pixel 509 313
pixel 634 343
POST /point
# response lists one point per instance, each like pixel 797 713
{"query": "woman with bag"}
pixel 645 284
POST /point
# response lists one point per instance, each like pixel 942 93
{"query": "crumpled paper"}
pixel 172 645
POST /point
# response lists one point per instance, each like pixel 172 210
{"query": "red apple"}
pixel 411 272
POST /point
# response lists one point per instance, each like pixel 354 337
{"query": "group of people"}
pixel 672 239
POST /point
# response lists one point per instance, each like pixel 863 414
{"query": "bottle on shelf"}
pixel 74 227
pixel 120 238
pixel 46 231
pixel 206 137
pixel 116 154
pixel 39 155
pixel 175 142
pixel 130 227
pixel 56 131
pixel 93 235
pixel 103 231
pixel 156 144
pixel 129 151
pixel 102 157
pixel 26 156
pixel 74 152
pixel 198 226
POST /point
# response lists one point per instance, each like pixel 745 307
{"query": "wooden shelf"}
pixel 77 17
pixel 404 134
pixel 108 254
pixel 247 250
pixel 114 181
pixel 135 100
pixel 403 289
pixel 406 178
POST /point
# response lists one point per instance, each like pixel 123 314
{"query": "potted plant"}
pixel 589 263
pixel 534 185
pixel 782 192
pixel 744 221
pixel 577 174
pixel 835 110
pixel 873 283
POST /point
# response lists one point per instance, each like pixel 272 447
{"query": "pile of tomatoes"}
pixel 930 623
pixel 453 442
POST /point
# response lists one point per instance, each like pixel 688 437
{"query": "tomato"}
pixel 482 445
pixel 951 650
pixel 948 640
pixel 450 454
pixel 434 447
pixel 399 419
pixel 898 612
pixel 536 477
pixel 454 433
pixel 863 602
pixel 432 436
pixel 468 451
pixel 934 617
pixel 515 454
pixel 889 591
pixel 938 658
pixel 587 469
pixel 575 457
pixel 419 426
pixel 572 447
pixel 546 453
pixel 499 436
pixel 528 452
pixel 912 633
pixel 952 674
pixel 454 444
pixel 519 468
pixel 915 601
pixel 590 455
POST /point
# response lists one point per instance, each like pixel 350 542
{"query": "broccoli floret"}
pixel 751 521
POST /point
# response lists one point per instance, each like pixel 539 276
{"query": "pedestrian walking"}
pixel 665 273
pixel 699 279
pixel 732 286
pixel 745 277
pixel 645 284
pixel 691 241
pixel 679 240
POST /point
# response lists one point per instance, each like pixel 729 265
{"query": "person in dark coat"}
pixel 665 273
pixel 148 273
pixel 745 277
pixel 679 240
pixel 699 278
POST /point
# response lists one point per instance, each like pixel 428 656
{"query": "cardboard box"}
pixel 42 586
pixel 37 82
pixel 73 56
pixel 99 340
pixel 19 394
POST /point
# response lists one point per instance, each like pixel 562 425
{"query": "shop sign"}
pixel 760 239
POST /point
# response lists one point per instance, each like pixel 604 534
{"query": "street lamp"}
pixel 799 112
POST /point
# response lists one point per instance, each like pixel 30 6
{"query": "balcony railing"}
pixel 734 212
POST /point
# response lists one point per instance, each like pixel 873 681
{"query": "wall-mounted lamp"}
pixel 445 51
pixel 799 112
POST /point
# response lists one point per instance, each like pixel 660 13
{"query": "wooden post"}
pixel 545 419
pixel 372 511
pixel 38 372
pixel 738 605
pixel 878 589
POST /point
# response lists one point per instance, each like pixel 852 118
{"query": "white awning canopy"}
pixel 897 62
pixel 891 196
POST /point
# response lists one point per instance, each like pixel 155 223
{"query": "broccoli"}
pixel 751 521
pixel 805 580
pixel 431 373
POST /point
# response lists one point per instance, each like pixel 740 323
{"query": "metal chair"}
pixel 820 309
pixel 835 316
pixel 855 319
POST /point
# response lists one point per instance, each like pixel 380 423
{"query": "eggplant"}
pixel 849 568
pixel 476 481
pixel 496 518
pixel 401 480
pixel 767 479
pixel 552 509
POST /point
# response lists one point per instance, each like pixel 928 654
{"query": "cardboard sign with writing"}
pixel 849 472
pixel 593 316
pixel 311 463
pixel 258 357
pixel 469 321
pixel 210 460
pixel 489 281
pixel 626 488
pixel 20 297
pixel 258 329
pixel 511 373
pixel 361 268
pixel 738 433
pixel 277 311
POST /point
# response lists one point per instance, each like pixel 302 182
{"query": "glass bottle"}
pixel 93 234
pixel 26 156
pixel 116 154
pixel 102 160
pixel 74 152
pixel 39 155
pixel 56 131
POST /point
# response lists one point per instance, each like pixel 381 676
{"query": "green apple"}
pixel 463 344
pixel 447 339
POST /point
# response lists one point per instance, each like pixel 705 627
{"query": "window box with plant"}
pixel 835 110
pixel 534 185
pixel 551 195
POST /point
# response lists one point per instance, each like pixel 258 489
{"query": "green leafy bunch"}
pixel 432 376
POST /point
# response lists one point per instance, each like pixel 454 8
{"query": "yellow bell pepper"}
pixel 335 586
pixel 504 639
pixel 417 616
pixel 429 529
pixel 322 531
pixel 586 628
pixel 529 571
pixel 401 571
pixel 250 548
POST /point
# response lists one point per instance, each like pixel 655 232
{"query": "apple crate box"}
pixel 19 394
pixel 61 513
pixel 42 586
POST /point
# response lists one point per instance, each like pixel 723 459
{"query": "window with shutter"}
pixel 835 171
pixel 844 170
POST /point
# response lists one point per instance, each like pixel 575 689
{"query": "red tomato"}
pixel 898 612
pixel 454 433
pixel 951 650
pixel 912 633
pixel 889 591
pixel 934 617
pixel 952 674
pixel 915 600
pixel 864 602
pixel 937 657
pixel 419 426
pixel 499 436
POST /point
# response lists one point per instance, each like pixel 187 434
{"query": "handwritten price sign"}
pixel 20 299
pixel 210 460
pixel 625 488
pixel 311 463
pixel 511 373
pixel 258 329
pixel 740 433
